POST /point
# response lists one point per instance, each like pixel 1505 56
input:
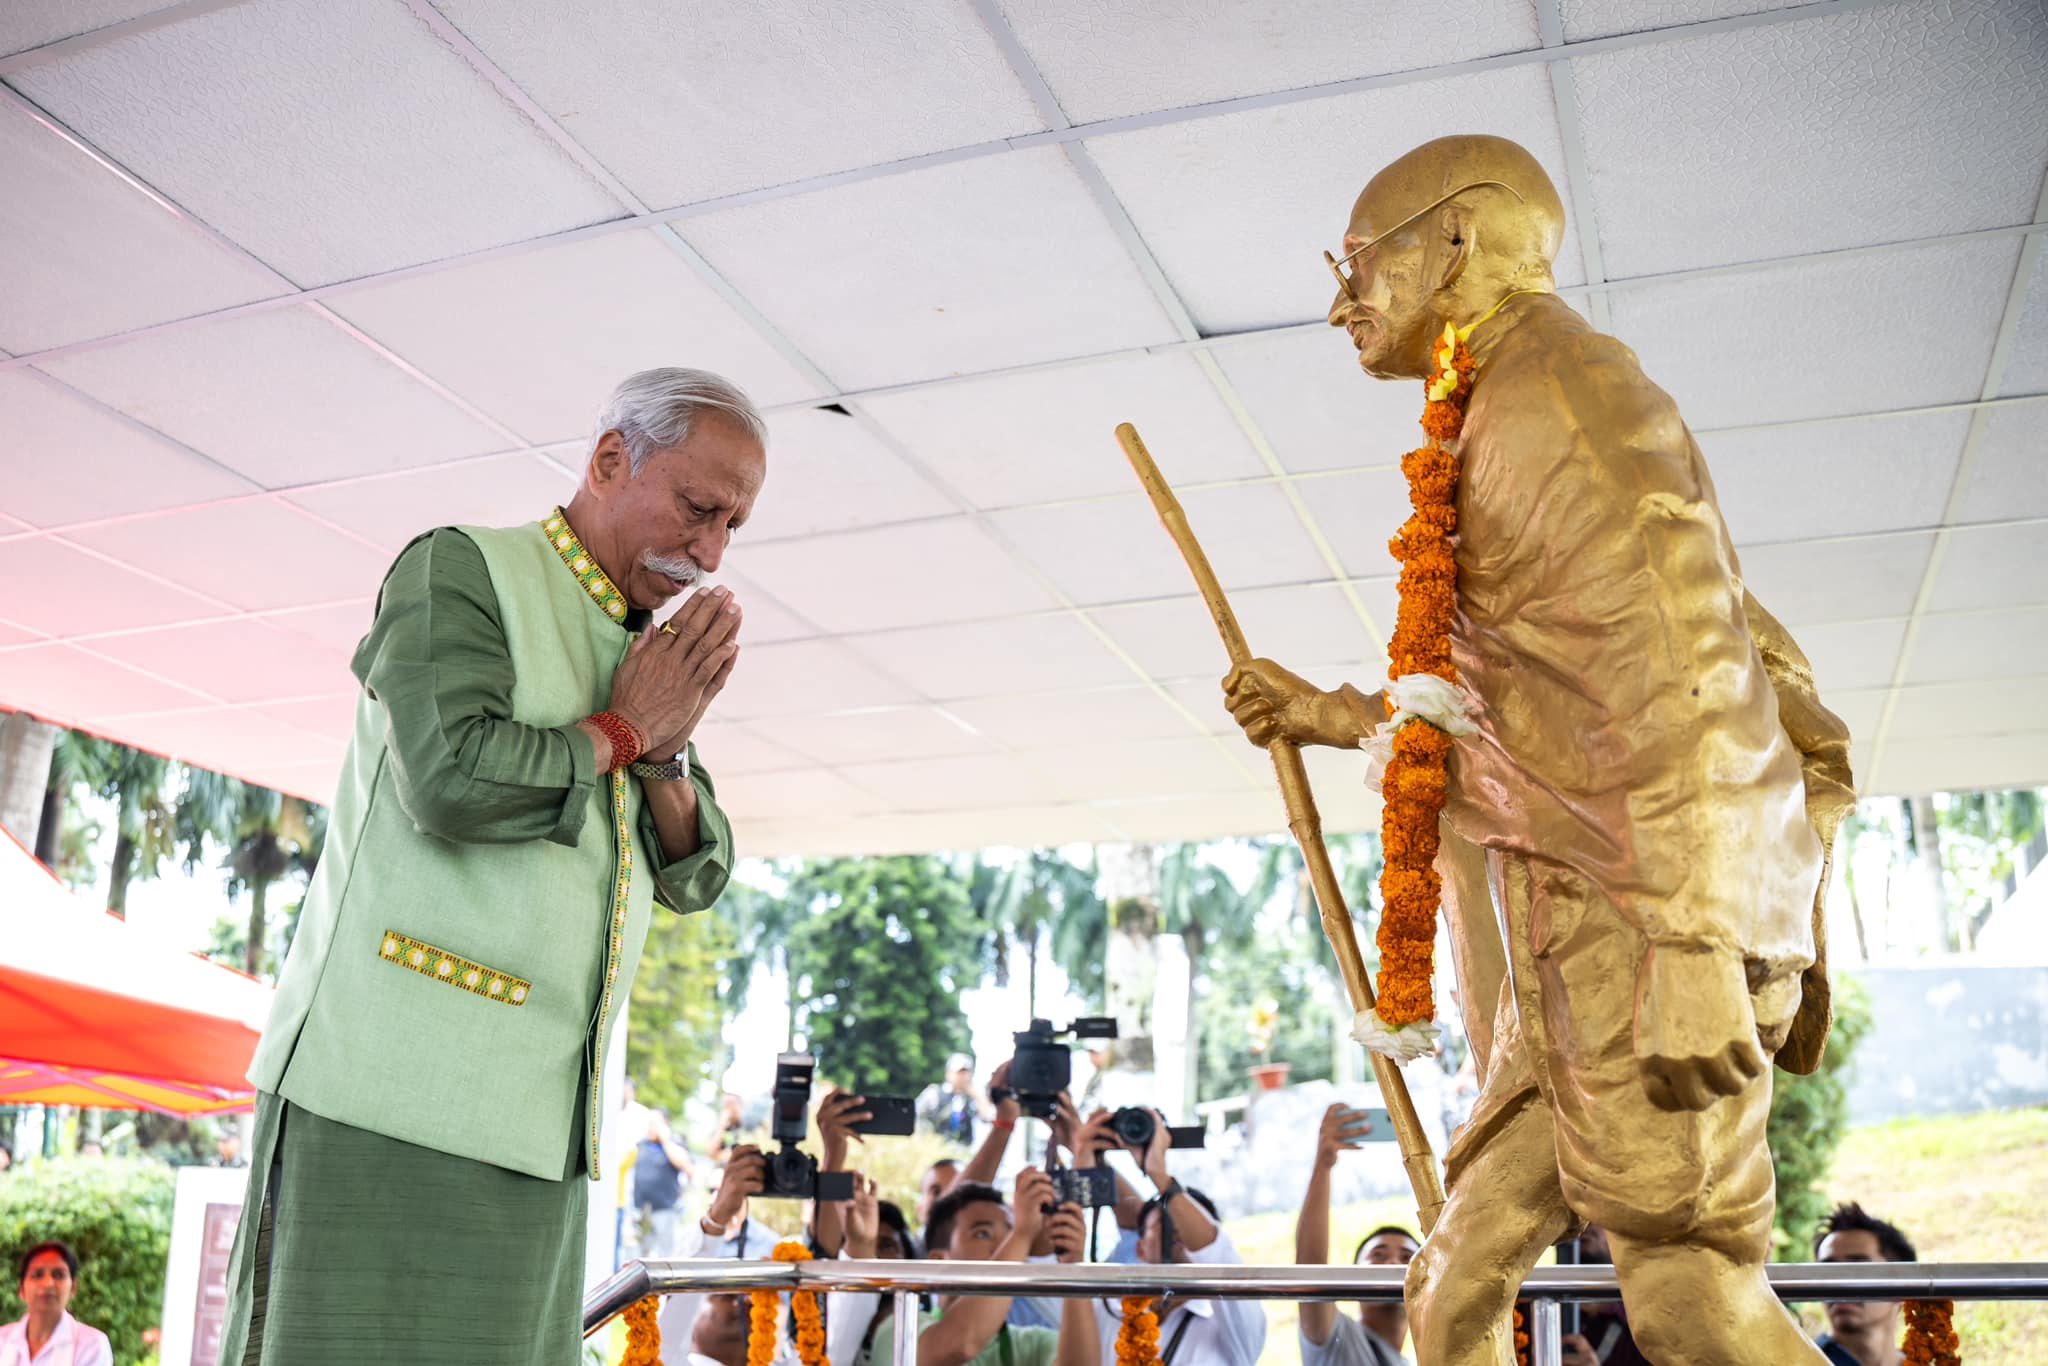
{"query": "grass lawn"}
pixel 1968 1189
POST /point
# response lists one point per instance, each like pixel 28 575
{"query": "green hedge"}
pixel 117 1215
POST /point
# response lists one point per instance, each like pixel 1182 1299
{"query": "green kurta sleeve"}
pixel 694 881
pixel 436 659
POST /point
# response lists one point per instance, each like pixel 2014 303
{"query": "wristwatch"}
pixel 674 771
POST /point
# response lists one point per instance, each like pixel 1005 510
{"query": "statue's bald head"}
pixel 1454 227
pixel 1525 219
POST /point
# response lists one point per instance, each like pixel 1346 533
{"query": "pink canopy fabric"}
pixel 93 1014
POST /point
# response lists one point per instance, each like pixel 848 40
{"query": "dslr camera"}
pixel 793 1174
pixel 1090 1188
pixel 1136 1126
pixel 1043 1066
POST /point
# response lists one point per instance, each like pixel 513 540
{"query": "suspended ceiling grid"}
pixel 283 282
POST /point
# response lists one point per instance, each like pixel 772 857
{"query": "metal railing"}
pixel 1547 1287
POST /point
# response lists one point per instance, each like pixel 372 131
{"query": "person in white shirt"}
pixel 47 1335
pixel 727 1231
pixel 875 1228
pixel 719 1335
pixel 1177 1225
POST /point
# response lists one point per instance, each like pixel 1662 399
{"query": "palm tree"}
pixel 268 837
pixel 1025 900
pixel 26 749
pixel 139 785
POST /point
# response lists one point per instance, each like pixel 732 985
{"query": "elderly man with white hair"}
pixel 519 790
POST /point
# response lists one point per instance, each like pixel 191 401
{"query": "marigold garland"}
pixel 1521 1338
pixel 1416 775
pixel 810 1323
pixel 1930 1333
pixel 1137 1341
pixel 643 1333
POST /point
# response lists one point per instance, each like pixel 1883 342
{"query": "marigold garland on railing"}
pixel 1521 1338
pixel 810 1323
pixel 1930 1333
pixel 643 1333
pixel 1137 1340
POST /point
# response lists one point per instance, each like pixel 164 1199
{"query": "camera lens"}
pixel 1134 1126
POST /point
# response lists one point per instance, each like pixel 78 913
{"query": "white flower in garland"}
pixel 1405 1044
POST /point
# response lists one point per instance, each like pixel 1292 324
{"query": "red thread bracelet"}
pixel 625 739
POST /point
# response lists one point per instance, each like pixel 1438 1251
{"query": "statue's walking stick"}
pixel 1307 828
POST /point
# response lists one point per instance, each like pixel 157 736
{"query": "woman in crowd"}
pixel 47 1335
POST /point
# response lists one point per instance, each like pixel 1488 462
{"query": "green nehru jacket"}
pixel 472 932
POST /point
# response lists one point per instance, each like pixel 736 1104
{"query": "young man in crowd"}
pixel 1177 1225
pixel 1861 1332
pixel 1328 1338
pixel 971 1223
pixel 718 1337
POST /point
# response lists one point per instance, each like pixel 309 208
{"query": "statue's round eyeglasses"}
pixel 1337 263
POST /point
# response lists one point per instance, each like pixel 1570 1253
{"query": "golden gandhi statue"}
pixel 1654 784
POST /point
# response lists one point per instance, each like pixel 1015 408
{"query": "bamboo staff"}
pixel 1307 827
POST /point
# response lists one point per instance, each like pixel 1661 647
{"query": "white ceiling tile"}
pixel 687 102
pixel 1359 513
pixel 297 128
pixel 1316 407
pixel 1382 598
pixel 1859 709
pixel 912 575
pixel 1044 435
pixel 1199 818
pixel 1980 645
pixel 238 741
pixel 1810 581
pixel 504 490
pixel 1585 19
pixel 82 254
pixel 802 676
pixel 63 591
pixel 828 472
pixel 1298 626
pixel 794 793
pixel 282 397
pixel 1027 827
pixel 2026 365
pixel 1969 707
pixel 1103 61
pixel 11 634
pixel 65 684
pixel 236 661
pixel 874 736
pixel 970 266
pixel 1992 566
pixel 1894 122
pixel 538 339
pixel 959 783
pixel 253 555
pixel 109 467
pixel 339 626
pixel 726 748
pixel 1955 763
pixel 1239 208
pixel 315 780
pixel 1109 768
pixel 763 620
pixel 2005 478
pixel 1050 719
pixel 332 717
pixel 987 658
pixel 1115 550
pixel 1851 654
pixel 1835 479
pixel 1923 337
pixel 32 23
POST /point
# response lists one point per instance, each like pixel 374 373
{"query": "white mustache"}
pixel 680 568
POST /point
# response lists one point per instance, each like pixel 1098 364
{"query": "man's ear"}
pixel 1452 245
pixel 609 465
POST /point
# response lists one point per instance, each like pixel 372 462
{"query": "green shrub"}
pixel 1808 1115
pixel 117 1216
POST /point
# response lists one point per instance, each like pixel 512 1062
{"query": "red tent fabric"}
pixel 89 1007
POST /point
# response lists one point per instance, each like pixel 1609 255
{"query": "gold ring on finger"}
pixel 667 629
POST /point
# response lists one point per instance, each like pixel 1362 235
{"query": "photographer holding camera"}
pixel 972 1223
pixel 726 1231
pixel 1175 1225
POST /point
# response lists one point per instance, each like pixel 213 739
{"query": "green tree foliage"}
pixel 268 836
pixel 1022 902
pixel 1276 967
pixel 877 961
pixel 1808 1115
pixel 117 1217
pixel 678 1009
